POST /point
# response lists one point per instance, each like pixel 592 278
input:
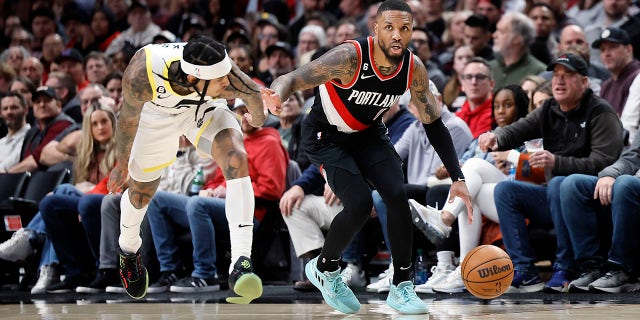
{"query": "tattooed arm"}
pixel 339 63
pixel 136 90
pixel 243 87
pixel 421 96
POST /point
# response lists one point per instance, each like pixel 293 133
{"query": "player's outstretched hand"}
pixel 118 178
pixel 271 100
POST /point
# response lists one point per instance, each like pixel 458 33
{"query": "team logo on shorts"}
pixel 161 89
pixel 197 72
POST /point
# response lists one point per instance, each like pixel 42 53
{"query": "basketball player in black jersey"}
pixel 344 136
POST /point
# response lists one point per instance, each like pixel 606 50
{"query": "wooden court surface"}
pixel 462 306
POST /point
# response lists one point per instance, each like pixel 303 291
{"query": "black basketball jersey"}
pixel 356 105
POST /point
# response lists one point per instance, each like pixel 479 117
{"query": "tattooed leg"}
pixel 229 153
pixel 134 206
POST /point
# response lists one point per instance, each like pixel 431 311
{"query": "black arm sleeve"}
pixel 441 141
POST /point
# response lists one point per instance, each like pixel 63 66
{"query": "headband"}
pixel 210 72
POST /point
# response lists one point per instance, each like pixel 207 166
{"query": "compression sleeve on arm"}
pixel 441 141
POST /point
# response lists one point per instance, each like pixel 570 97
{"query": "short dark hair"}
pixel 394 5
pixel 21 99
pixel 113 75
pixel 482 61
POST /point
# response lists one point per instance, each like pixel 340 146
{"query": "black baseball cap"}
pixel 573 62
pixel 138 4
pixel 280 45
pixel 612 34
pixel 70 54
pixel 45 91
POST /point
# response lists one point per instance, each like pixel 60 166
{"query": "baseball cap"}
pixel 573 62
pixel 280 45
pixel 612 34
pixel 45 91
pixel 70 54
pixel 138 4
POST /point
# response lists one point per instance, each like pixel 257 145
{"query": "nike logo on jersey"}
pixel 367 77
pixel 244 225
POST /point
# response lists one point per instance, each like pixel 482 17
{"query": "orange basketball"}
pixel 487 271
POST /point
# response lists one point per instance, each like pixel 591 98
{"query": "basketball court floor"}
pixel 282 302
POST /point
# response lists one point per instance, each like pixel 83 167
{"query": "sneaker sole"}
pixel 111 289
pixel 157 289
pixel 194 289
pixel 434 235
pixel 624 288
pixel 311 275
pixel 248 287
pixel 88 290
pixel 527 289
pixel 448 290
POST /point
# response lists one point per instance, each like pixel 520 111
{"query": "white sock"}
pixel 456 207
pixel 445 258
pixel 130 220
pixel 239 209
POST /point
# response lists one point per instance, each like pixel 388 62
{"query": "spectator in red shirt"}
pixel 477 84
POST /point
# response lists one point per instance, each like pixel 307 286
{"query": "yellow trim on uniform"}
pixel 159 167
pixel 165 74
pixel 204 127
pixel 150 75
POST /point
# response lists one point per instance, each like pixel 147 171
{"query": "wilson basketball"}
pixel 487 271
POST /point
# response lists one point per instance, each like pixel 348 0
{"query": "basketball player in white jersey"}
pixel 178 89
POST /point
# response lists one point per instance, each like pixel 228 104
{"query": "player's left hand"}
pixel 459 189
pixel 271 100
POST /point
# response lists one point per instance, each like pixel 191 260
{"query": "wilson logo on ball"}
pixel 493 270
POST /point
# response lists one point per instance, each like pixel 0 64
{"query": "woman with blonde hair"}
pixel 76 241
pixel 96 153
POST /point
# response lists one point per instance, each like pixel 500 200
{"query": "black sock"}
pixel 401 274
pixel 328 264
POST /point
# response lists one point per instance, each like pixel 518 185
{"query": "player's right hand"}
pixel 118 179
pixel 272 100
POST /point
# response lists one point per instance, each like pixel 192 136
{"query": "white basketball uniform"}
pixel 169 115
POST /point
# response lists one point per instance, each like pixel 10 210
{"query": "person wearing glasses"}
pixel 477 85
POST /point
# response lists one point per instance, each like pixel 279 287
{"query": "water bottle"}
pixel 512 173
pixel 197 183
pixel 420 269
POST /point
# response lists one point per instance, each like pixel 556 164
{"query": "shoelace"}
pixel 338 287
pixel 407 294
pixel 131 265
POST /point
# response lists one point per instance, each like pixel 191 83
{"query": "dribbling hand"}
pixel 118 179
pixel 272 100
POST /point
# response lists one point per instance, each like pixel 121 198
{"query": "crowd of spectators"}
pixel 505 71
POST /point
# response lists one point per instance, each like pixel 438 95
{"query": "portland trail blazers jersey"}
pixel 357 105
pixel 159 58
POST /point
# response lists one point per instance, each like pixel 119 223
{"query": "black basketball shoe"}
pixel 244 282
pixel 133 274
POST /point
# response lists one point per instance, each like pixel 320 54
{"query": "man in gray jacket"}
pixel 612 195
pixel 581 134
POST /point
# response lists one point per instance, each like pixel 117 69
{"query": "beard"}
pixel 395 59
